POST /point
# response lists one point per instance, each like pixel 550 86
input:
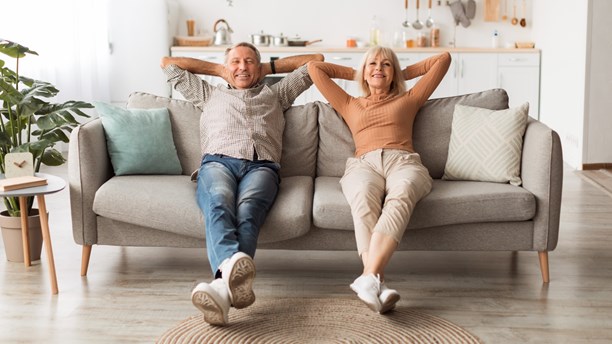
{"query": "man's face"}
pixel 243 68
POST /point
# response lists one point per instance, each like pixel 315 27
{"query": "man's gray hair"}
pixel 243 44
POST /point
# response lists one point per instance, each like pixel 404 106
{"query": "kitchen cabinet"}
pixel 345 59
pixel 471 70
pixel 519 75
pixel 406 59
pixel 468 73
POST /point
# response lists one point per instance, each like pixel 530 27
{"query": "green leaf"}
pixel 55 135
pixel 52 157
pixel 4 138
pixel 14 50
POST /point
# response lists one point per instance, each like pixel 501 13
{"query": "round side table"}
pixel 54 184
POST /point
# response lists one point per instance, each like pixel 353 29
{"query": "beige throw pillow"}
pixel 486 145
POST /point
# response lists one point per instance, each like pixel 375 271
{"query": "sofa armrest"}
pixel 542 174
pixel 89 167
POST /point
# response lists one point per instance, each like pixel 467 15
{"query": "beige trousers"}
pixel 382 187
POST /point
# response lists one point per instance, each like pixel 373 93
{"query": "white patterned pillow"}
pixel 486 145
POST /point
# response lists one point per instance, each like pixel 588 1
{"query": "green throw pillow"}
pixel 486 145
pixel 139 141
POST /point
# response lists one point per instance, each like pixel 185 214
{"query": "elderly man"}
pixel 241 131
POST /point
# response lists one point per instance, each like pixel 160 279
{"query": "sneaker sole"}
pixel 389 304
pixel 213 313
pixel 240 283
pixel 373 306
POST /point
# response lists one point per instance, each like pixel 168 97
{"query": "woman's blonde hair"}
pixel 397 85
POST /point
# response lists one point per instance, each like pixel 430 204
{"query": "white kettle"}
pixel 222 34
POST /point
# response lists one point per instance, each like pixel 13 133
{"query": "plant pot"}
pixel 11 235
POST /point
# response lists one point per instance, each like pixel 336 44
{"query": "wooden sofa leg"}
pixel 544 265
pixel 85 259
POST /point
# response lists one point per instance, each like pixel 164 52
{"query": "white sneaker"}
pixel 368 290
pixel 213 301
pixel 388 298
pixel 239 274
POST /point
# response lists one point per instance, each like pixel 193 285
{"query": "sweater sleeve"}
pixel 322 73
pixel 433 70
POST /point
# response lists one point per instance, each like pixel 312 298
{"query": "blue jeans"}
pixel 235 196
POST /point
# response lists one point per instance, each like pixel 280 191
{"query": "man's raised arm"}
pixel 195 66
pixel 290 63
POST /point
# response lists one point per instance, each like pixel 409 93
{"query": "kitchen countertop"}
pixel 324 49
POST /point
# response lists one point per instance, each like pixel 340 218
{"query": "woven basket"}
pixel 525 45
pixel 192 41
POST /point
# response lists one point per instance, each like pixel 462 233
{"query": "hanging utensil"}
pixel 417 23
pixel 406 23
pixel 514 20
pixel 523 21
pixel 458 11
pixel 505 14
pixel 470 9
pixel 429 22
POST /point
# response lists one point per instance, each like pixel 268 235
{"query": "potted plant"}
pixel 30 121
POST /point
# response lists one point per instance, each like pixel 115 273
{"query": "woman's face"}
pixel 378 73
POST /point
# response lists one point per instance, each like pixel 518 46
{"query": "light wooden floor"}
pixel 135 294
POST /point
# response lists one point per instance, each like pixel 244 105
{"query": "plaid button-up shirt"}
pixel 241 123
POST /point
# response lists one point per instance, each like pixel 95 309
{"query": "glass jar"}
pixel 421 40
pixel 351 42
pixel 408 39
pixel 434 37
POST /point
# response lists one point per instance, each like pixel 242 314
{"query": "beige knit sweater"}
pixel 380 121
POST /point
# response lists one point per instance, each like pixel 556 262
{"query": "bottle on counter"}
pixel 374 32
pixel 495 40
pixel 434 37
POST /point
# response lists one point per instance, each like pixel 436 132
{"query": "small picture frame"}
pixel 18 165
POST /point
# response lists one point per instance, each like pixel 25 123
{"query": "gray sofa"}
pixel 311 212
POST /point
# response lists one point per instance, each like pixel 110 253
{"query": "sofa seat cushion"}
pixel 168 203
pixel 449 203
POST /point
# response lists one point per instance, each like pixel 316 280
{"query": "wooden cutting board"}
pixel 491 10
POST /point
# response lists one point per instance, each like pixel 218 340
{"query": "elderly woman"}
pixel 386 178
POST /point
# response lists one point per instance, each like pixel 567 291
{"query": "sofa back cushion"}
pixel 432 125
pixel 431 132
pixel 185 121
pixel 300 141
pixel 300 138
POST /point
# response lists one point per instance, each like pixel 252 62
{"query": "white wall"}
pixel 598 119
pixel 334 20
pixel 576 77
pixel 562 85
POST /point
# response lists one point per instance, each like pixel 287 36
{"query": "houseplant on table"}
pixel 31 122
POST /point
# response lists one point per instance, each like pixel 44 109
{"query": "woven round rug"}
pixel 318 321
